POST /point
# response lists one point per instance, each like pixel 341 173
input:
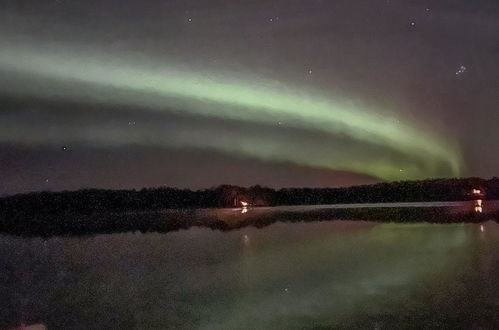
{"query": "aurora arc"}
pixel 159 87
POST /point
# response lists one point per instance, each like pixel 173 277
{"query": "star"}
pixel 461 70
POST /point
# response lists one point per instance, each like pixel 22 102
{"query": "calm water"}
pixel 314 275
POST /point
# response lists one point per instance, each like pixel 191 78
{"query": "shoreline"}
pixel 225 219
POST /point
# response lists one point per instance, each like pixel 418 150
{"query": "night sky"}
pixel 191 93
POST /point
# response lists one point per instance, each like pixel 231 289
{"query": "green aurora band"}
pixel 156 86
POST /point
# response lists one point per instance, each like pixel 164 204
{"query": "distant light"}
pixel 482 229
pixel 478 209
pixel 476 191
pixel 244 204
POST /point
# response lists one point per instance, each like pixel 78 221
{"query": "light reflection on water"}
pixel 287 275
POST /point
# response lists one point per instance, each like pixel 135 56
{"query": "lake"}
pixel 286 275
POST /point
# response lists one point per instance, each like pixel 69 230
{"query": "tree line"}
pixel 89 201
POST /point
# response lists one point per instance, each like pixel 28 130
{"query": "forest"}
pixel 89 201
pixel 91 211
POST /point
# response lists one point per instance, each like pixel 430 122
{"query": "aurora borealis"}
pixel 178 82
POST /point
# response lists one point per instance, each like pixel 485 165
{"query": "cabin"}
pixel 477 193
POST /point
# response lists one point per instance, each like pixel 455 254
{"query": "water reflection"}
pixel 341 274
pixel 246 240
pixel 478 206
pixel 236 218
